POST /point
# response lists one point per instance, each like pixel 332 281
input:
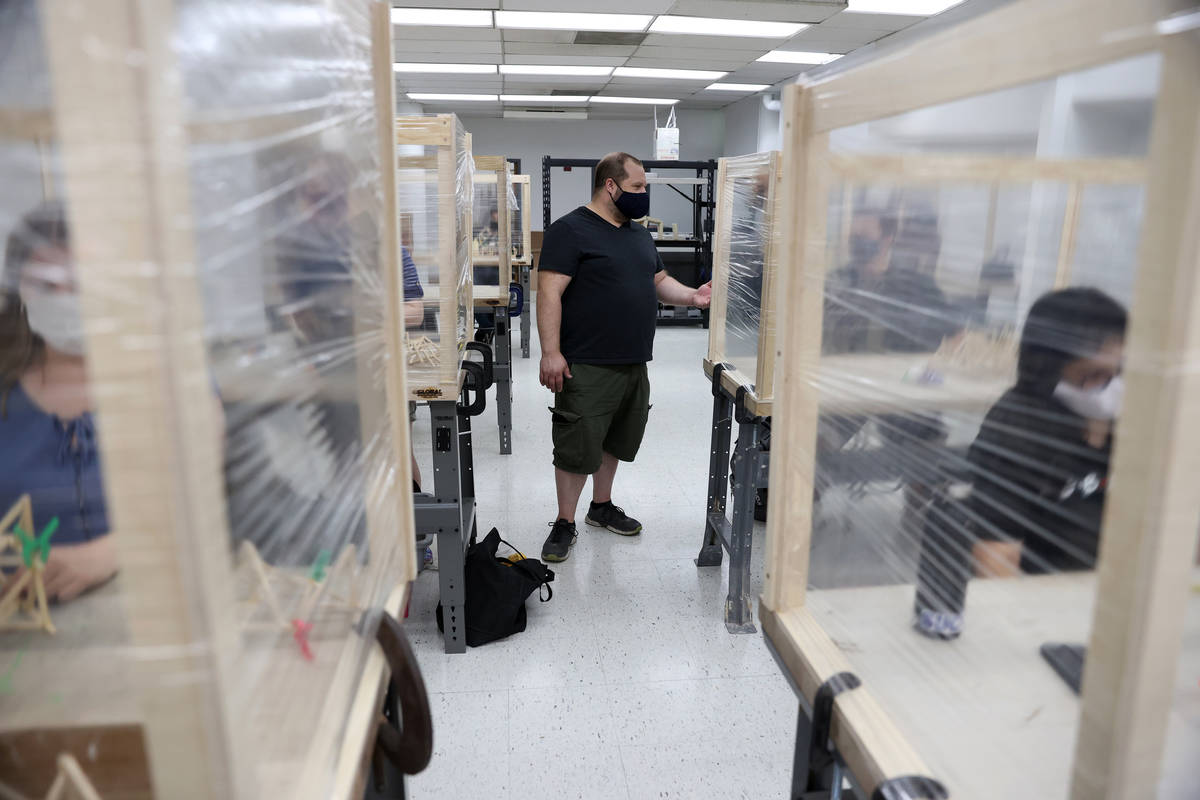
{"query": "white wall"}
pixel 750 127
pixel 741 127
pixel 701 135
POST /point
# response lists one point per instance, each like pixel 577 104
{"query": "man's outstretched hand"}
pixel 554 371
pixel 703 296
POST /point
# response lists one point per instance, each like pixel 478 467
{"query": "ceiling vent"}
pixel 610 38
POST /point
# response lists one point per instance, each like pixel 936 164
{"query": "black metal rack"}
pixel 703 200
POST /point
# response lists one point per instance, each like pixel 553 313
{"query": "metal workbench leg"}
pixel 718 481
pixel 738 616
pixel 466 466
pixel 527 312
pixel 448 488
pixel 503 371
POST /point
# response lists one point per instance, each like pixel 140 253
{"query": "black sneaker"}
pixel 606 515
pixel 558 543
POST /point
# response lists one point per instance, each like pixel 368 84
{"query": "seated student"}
pixel 1039 464
pixel 1040 461
pixel 47 430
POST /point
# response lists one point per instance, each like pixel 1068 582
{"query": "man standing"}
pixel 599 282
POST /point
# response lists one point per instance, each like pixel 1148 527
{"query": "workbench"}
pixel 79 686
pixel 853 385
pixel 999 722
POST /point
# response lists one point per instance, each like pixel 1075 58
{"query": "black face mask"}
pixel 863 248
pixel 633 205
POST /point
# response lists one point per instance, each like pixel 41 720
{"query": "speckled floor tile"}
pixel 626 684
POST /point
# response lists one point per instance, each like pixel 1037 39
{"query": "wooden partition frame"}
pixel 760 386
pixel 494 170
pixel 161 448
pixel 453 148
pixel 521 185
pixel 1152 510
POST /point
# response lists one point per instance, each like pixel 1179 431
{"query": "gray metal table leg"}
pixel 448 484
pixel 503 373
pixel 527 313
pixel 718 481
pixel 746 466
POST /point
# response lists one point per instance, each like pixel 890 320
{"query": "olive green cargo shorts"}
pixel 601 409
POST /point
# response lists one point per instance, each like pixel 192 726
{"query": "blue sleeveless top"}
pixel 57 464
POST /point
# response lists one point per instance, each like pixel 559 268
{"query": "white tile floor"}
pixel 626 684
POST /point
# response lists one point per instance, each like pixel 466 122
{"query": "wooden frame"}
pixel 1152 509
pixel 522 246
pixel 759 386
pixel 446 168
pixel 205 725
pixel 493 171
pixel 857 170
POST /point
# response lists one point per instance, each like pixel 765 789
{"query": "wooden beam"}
pixel 798 337
pixel 1066 239
pixel 923 168
pixel 421 130
pixel 1023 42
pixel 723 226
pixel 125 176
pixel 867 739
pixel 764 382
pixel 1152 510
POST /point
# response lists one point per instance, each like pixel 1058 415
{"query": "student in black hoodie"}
pixel 1039 464
pixel 1040 460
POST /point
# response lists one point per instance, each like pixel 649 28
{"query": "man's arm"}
pixel 674 293
pixel 414 313
pixel 554 369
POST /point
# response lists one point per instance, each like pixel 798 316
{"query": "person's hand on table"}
pixel 703 296
pixel 72 569
pixel 554 371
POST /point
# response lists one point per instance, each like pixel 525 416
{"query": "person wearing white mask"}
pixel 1040 461
pixel 47 430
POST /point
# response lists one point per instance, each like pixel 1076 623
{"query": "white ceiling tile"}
pixel 609 7
pixel 846 39
pixel 577 50
pixel 703 43
pixel 492 4
pixel 890 22
pixel 565 60
pixel 417 33
pixel 548 37
pixel 716 62
pixel 452 52
pixel 770 10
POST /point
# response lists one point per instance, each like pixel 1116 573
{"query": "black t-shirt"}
pixel 1036 480
pixel 609 308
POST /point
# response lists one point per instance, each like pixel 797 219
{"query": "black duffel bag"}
pixel 496 590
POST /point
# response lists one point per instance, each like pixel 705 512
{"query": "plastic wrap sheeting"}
pixel 488 233
pixel 746 237
pixel 435 182
pixel 977 262
pixel 520 219
pixel 227 261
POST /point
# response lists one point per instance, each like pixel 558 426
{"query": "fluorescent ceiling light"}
pixel 798 57
pixel 737 87
pixel 686 74
pixel 543 98
pixel 912 8
pixel 439 96
pixel 448 17
pixel 708 26
pixel 559 20
pixel 547 69
pixel 596 98
pixel 525 113
pixel 459 69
